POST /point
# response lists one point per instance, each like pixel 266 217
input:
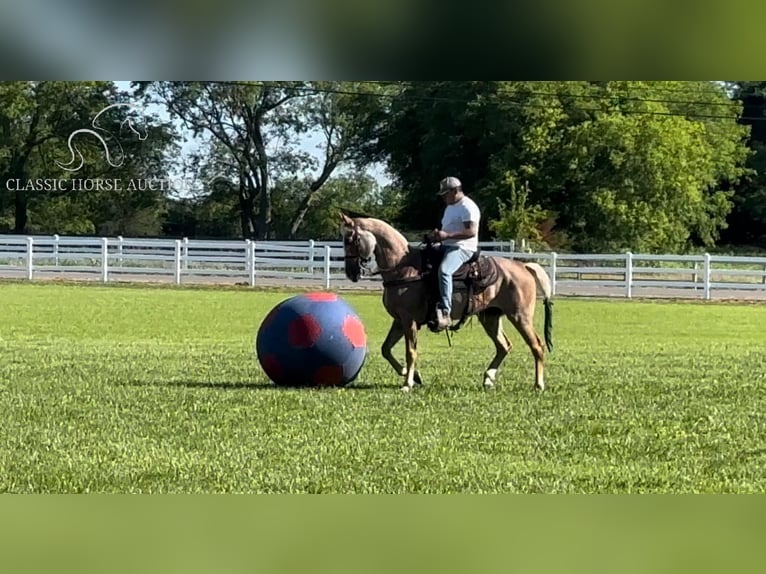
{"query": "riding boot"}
pixel 443 319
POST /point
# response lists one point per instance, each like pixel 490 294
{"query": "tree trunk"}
pixel 263 220
pixel 315 186
pixel 18 170
pixel 20 196
pixel 20 214
pixel 246 203
pixel 259 166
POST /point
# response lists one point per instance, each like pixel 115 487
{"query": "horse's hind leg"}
pixel 411 341
pixel 491 320
pixel 395 333
pixel 525 327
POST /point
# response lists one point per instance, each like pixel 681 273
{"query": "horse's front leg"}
pixel 411 343
pixel 395 333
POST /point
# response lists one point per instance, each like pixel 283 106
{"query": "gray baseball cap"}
pixel 448 184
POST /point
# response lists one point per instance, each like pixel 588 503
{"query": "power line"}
pixel 509 99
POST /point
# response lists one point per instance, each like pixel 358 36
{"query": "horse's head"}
pixel 358 246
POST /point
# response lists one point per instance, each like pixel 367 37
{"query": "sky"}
pixel 309 144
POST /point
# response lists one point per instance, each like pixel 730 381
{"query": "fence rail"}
pixel 253 262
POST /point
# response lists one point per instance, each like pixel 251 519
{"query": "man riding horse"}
pixel 497 287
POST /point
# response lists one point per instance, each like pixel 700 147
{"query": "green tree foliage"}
pixel 438 129
pixel 356 191
pixel 349 116
pixel 37 123
pixel 623 165
pixel 234 118
pixel 254 131
pixel 643 182
pixel 518 219
pixel 747 222
pixel 216 214
pixel 597 166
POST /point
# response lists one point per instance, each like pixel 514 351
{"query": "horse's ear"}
pixel 347 221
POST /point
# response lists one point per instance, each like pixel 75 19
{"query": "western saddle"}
pixel 471 278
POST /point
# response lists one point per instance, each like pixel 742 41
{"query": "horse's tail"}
pixel 544 282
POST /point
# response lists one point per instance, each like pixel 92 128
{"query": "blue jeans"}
pixel 454 257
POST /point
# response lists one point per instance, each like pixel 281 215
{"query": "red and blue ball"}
pixel 315 339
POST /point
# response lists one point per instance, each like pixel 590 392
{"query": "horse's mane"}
pixel 355 214
pixel 373 224
pixel 380 227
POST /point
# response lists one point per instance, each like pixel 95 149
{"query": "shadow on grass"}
pixel 254 386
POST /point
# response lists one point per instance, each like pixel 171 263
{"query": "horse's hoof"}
pixel 406 389
pixel 489 378
pixel 488 385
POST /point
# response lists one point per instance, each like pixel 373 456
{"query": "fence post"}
pixel 327 250
pixel 177 263
pixel 186 253
pixel 251 263
pixel 512 245
pixel 706 275
pixel 104 259
pixel 30 256
pixel 695 275
pixel 311 257
pixel 119 250
pixel 56 249
pixel 554 257
pixel 628 274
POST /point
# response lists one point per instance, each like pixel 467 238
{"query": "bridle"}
pixel 364 263
pixel 354 240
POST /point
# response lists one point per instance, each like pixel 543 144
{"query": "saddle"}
pixel 471 278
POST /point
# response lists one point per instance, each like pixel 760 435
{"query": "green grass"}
pixel 145 389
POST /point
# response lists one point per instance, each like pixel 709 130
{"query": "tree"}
pixel 253 131
pixel 356 191
pixel 349 116
pixel 235 116
pixel 653 172
pixel 518 219
pixel 438 129
pixel 747 221
pixel 47 132
pixel 25 111
pixel 623 165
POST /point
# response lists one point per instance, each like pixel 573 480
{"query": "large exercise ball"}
pixel 314 339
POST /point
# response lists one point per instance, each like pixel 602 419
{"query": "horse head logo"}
pixel 99 133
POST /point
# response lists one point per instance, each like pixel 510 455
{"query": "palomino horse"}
pixel 511 291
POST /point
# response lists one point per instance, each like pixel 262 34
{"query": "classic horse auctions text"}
pixel 97 184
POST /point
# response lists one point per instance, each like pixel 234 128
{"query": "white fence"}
pixel 296 262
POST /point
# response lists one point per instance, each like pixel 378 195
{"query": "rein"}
pixel 395 282
pixel 402 281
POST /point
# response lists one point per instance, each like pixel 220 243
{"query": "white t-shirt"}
pixel 454 219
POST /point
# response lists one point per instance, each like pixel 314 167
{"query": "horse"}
pixel 505 287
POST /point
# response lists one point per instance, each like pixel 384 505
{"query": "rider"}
pixel 459 236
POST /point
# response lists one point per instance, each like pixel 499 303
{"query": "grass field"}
pixel 151 389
